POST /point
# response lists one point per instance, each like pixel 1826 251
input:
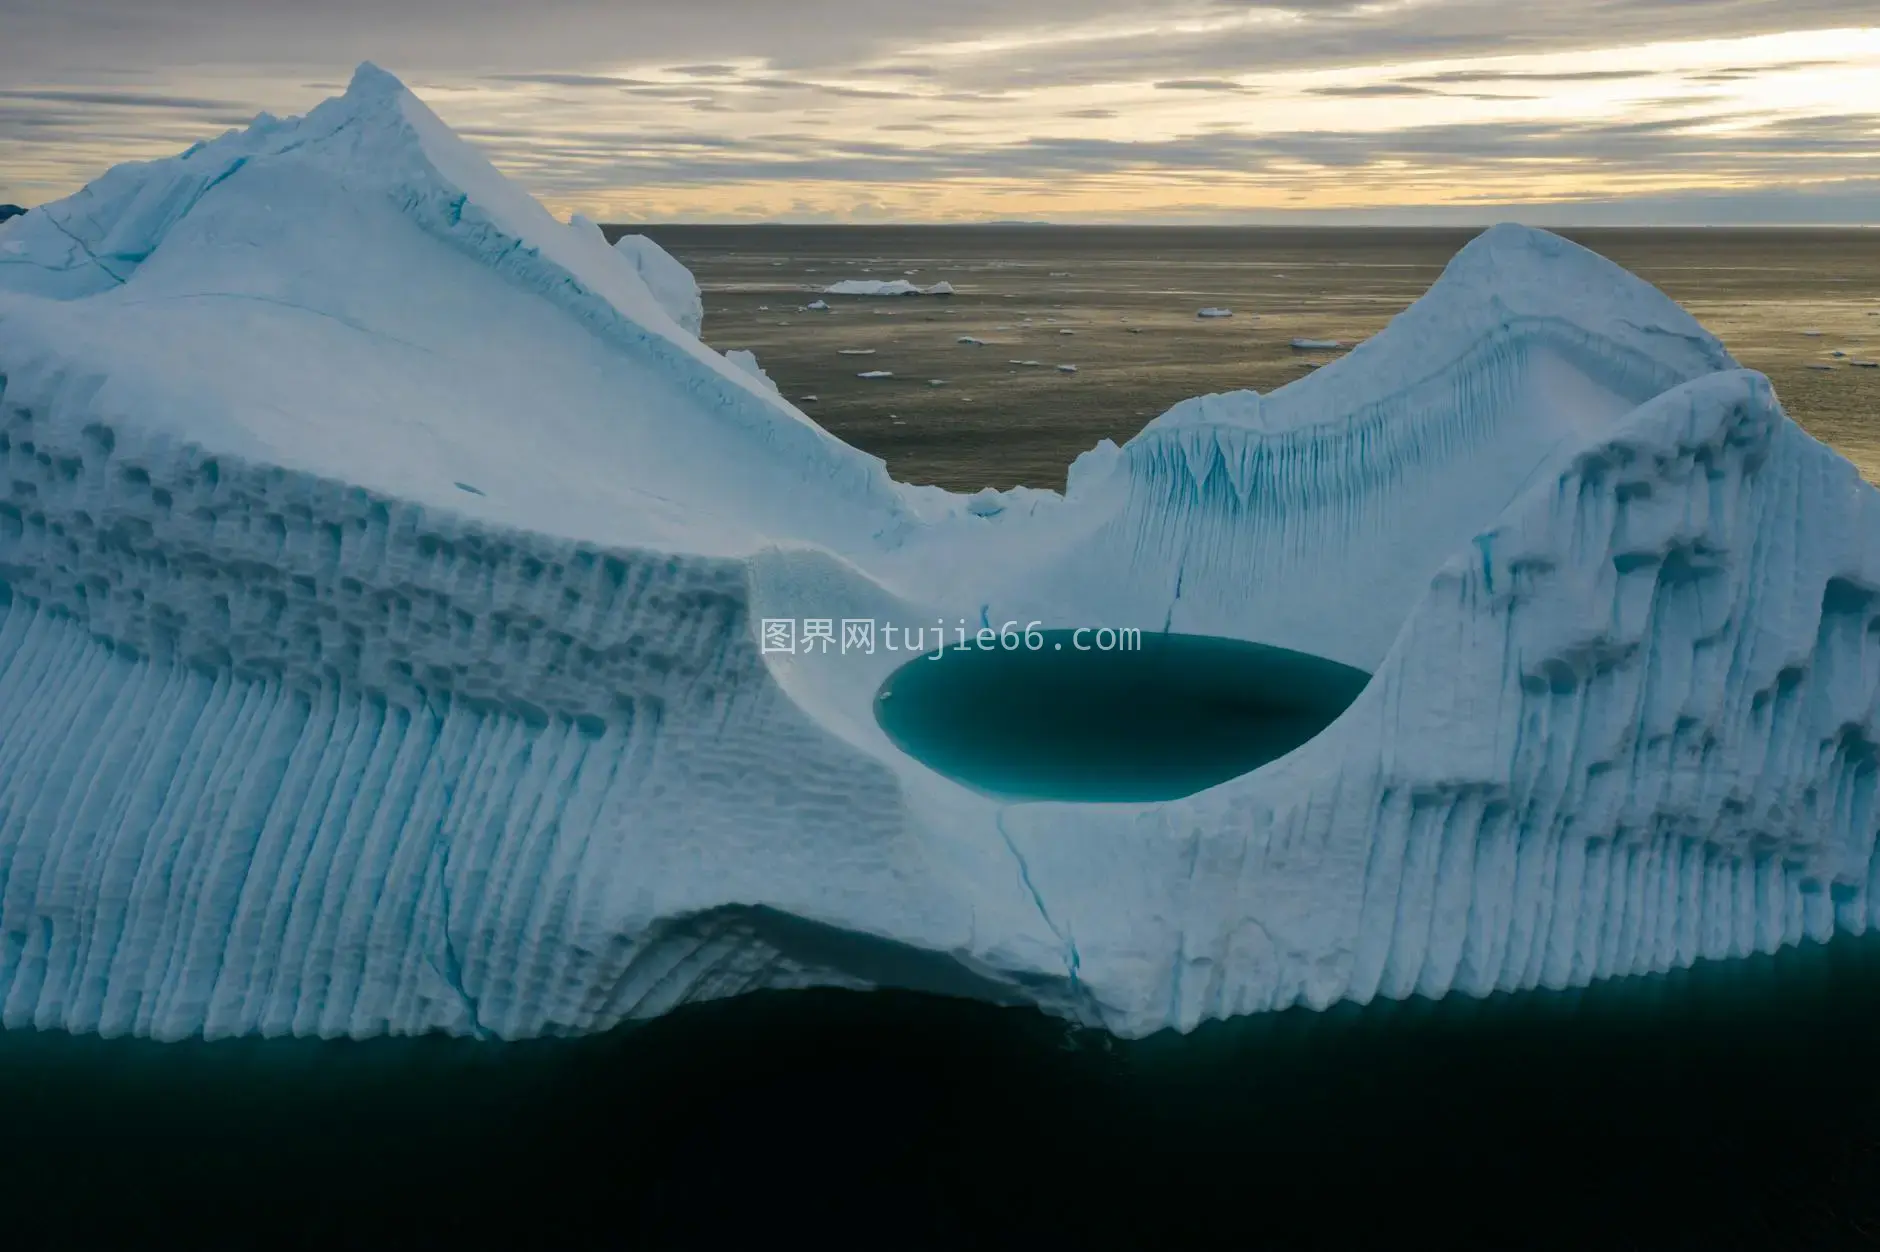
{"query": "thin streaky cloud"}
pixel 834 109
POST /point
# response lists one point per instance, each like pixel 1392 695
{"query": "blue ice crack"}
pixel 91 256
pixel 452 972
pixel 1072 961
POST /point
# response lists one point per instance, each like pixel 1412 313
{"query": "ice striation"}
pixel 381 565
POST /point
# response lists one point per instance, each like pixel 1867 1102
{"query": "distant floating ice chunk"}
pixel 817 305
pixel 1212 312
pixel 1024 362
pixel 855 352
pixel 1067 369
pixel 881 287
pixel 1311 344
pixel 872 287
pixel 968 339
pixel 876 374
pixel 1812 334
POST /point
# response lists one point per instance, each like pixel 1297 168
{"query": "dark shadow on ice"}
pixel 1109 716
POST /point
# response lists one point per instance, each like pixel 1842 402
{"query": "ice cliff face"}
pixel 380 567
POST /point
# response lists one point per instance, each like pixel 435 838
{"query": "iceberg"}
pixel 407 624
pixel 882 287
pixel 1214 312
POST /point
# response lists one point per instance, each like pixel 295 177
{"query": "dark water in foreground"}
pixel 1733 1106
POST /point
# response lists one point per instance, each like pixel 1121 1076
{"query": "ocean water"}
pixel 1129 298
pixel 1735 1105
pixel 1729 1106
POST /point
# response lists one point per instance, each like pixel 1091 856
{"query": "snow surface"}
pixel 381 565
pixel 670 283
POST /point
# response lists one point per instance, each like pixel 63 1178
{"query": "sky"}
pixel 1555 112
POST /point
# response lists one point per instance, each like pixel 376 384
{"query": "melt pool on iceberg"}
pixel 387 584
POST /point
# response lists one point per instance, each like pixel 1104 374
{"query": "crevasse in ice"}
pixel 382 565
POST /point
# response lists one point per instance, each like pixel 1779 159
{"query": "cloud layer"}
pixel 1070 109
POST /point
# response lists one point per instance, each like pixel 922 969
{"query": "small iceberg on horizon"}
pixel 885 287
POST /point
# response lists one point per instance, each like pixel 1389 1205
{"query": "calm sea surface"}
pixel 1128 297
pixel 1732 1106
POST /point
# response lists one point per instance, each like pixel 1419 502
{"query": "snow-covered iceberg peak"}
pixel 381 140
pixel 430 271
pixel 1235 504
